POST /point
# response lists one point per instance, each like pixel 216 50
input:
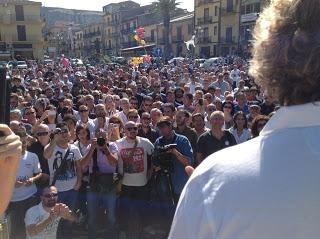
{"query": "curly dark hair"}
pixel 286 51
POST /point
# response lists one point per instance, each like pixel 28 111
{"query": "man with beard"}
pixel 42 220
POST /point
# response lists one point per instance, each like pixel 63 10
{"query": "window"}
pixel 216 10
pixel 206 32
pixel 206 13
pixel 179 33
pixel 229 34
pixel 243 9
pixel 215 30
pixel 190 29
pixel 229 5
pixel 152 35
pixel 21 30
pixel 19 13
pixel 248 8
pixel 257 7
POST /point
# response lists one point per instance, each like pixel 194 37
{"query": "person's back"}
pixel 268 187
pixel 265 188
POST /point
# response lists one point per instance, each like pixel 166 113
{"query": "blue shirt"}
pixel 179 176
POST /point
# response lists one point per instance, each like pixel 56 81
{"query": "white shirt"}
pixel 264 188
pixel 67 180
pixel 36 215
pixel 132 163
pixel 29 166
pixel 245 136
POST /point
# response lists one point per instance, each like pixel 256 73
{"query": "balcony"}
pixel 30 38
pixel 205 40
pixel 204 20
pixel 203 2
pixel 115 34
pixel 125 31
pixel 229 11
pixel 150 40
pixel 229 40
pixel 129 44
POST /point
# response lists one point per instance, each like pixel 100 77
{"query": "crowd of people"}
pixel 106 147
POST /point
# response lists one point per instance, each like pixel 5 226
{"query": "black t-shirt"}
pixel 208 144
pixel 38 149
pixel 152 135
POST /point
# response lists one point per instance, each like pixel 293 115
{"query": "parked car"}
pixel 212 62
pixel 22 65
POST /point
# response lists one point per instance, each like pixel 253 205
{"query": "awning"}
pixel 138 47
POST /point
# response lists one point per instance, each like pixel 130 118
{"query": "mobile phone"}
pixel 4 98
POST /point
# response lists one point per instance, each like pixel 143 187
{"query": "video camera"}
pixel 164 159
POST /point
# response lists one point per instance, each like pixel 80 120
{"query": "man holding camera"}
pixel 135 166
pixel 42 220
pixel 102 162
pixel 173 152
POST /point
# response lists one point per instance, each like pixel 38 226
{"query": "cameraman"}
pixel 102 161
pixel 175 153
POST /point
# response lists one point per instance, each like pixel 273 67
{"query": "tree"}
pixel 166 8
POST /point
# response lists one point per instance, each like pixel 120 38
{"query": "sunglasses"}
pixel 227 107
pixel 132 129
pixel 146 118
pixel 81 111
pixel 133 117
pixel 50 195
pixel 42 134
pixel 62 131
pixel 147 105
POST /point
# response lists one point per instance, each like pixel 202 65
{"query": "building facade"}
pixel 181 30
pixel 92 38
pixel 250 10
pixel 21 29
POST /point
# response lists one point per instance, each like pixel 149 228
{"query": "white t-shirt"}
pixel 29 165
pixel 245 136
pixel 133 165
pixel 67 180
pixel 36 215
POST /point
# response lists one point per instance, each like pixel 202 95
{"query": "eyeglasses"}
pixel 50 195
pixel 147 105
pixel 146 118
pixel 81 111
pixel 133 117
pixel 132 129
pixel 39 134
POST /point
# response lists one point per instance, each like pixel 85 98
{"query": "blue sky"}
pixel 97 4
